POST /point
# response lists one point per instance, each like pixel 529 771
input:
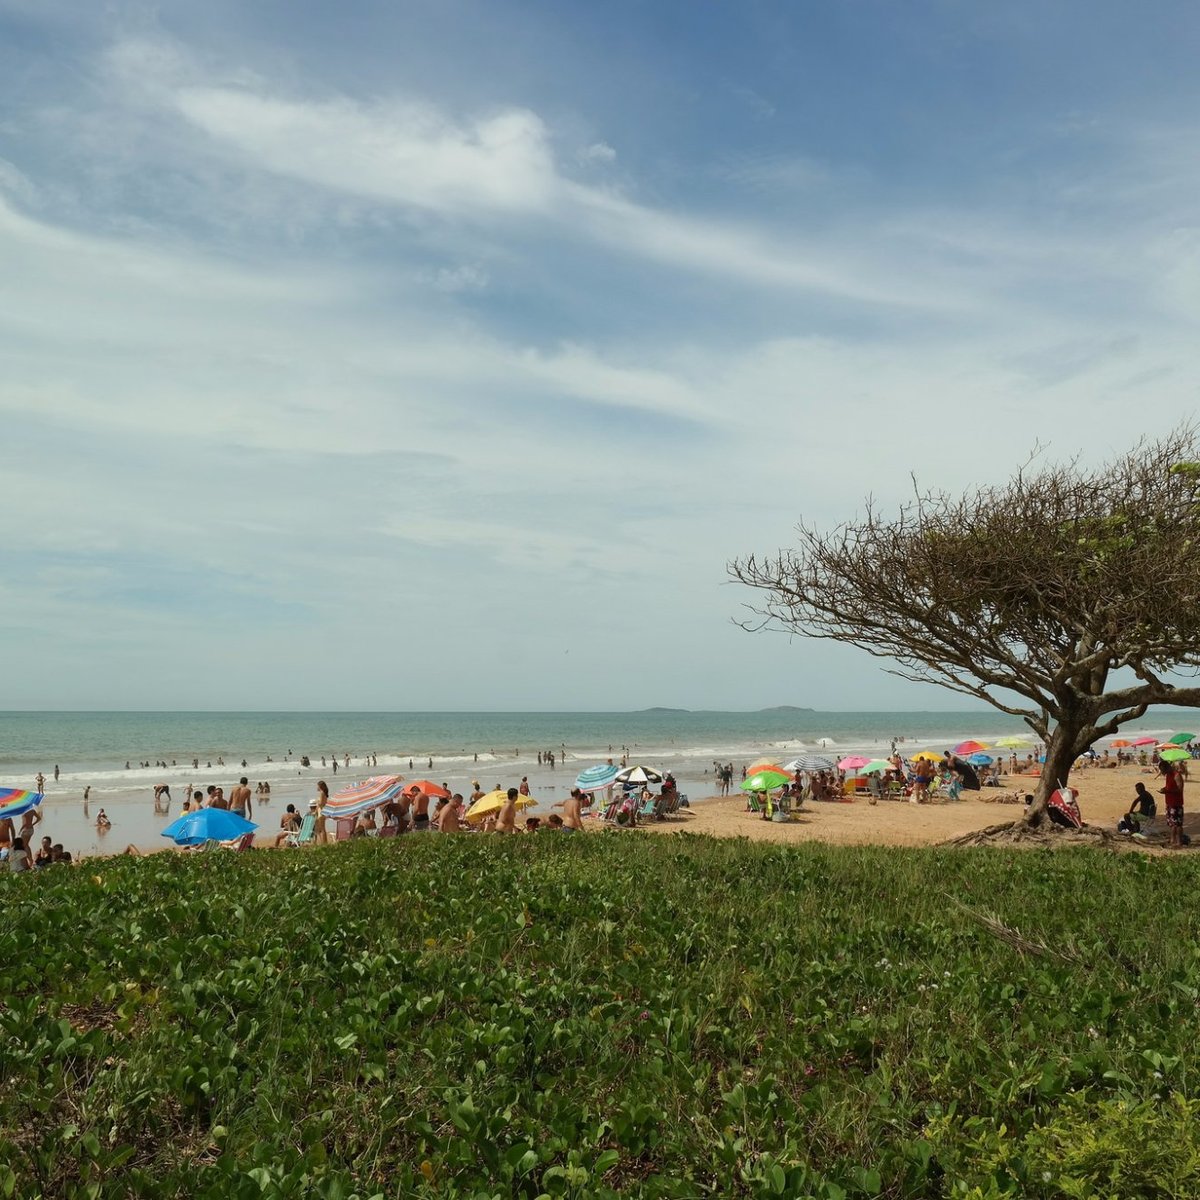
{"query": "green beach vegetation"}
pixel 601 1016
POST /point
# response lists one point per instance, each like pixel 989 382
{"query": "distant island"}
pixel 658 708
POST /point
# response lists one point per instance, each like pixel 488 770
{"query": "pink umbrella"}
pixel 1146 742
pixel 853 762
pixel 969 747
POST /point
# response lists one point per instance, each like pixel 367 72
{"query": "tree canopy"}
pixel 1065 597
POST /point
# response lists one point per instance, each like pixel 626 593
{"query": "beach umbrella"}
pixel 1121 743
pixel 1175 754
pixel 16 802
pixel 1182 739
pixel 493 802
pixel 597 778
pixel 980 760
pixel 765 781
pixel 763 764
pixel 1012 743
pixel 361 797
pixel 810 762
pixel 927 756
pixel 1145 741
pixel 208 825
pixel 428 788
pixel 969 747
pixel 852 762
pixel 639 775
pixel 876 767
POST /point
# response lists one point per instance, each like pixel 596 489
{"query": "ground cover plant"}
pixel 601 1016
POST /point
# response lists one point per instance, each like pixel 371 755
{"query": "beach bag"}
pixel 1128 824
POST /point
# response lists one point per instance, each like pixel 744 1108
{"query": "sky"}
pixel 440 354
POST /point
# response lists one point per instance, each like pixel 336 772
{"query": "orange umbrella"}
pixel 764 764
pixel 1121 743
pixel 429 788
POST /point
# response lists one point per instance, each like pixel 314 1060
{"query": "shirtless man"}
pixel 218 799
pixel 451 821
pixel 507 820
pixel 161 790
pixel 420 810
pixel 239 800
pixel 572 808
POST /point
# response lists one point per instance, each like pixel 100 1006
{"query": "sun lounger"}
pixel 245 842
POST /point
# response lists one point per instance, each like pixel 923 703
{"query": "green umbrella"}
pixel 765 781
pixel 1174 755
pixel 1182 739
pixel 874 768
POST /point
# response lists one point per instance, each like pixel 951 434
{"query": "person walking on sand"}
pixel 239 800
pixel 506 821
pixel 1172 791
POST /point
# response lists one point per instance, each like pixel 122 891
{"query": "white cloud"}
pixel 598 152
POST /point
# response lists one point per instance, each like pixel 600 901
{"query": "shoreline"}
pixel 1104 796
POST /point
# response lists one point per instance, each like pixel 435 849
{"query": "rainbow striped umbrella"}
pixel 15 803
pixel 361 797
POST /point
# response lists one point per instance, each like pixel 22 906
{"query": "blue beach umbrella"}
pixel 596 779
pixel 980 760
pixel 208 825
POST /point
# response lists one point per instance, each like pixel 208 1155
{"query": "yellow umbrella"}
pixel 928 755
pixel 493 802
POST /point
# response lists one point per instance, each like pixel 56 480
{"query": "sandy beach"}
pixel 1104 795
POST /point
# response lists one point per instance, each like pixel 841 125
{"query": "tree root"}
pixel 1047 835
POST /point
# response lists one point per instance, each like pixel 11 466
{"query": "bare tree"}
pixel 1064 597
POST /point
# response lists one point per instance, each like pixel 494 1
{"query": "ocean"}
pixel 104 751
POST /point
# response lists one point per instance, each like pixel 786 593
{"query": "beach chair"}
pixel 649 809
pixel 752 804
pixel 345 828
pixel 304 835
pixel 245 842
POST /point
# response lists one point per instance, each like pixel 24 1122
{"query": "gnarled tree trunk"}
pixel 1061 752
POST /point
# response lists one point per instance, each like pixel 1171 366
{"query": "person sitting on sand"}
pixel 289 823
pixel 532 824
pixel 58 854
pixel 43 857
pixel 554 821
pixel 1144 804
pixel 19 858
